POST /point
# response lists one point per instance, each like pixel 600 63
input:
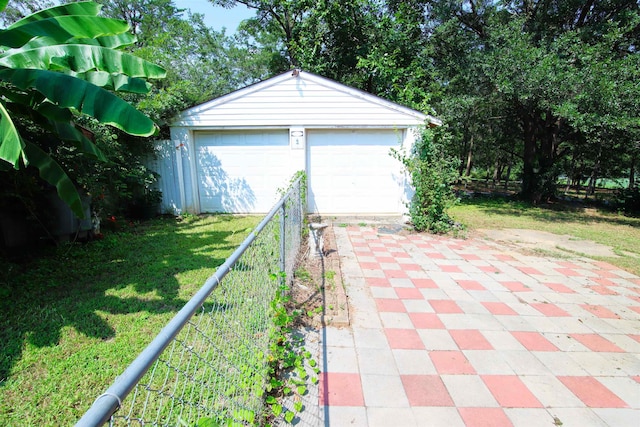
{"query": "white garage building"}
pixel 233 153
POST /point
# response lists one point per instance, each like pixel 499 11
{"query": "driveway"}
pixel 450 332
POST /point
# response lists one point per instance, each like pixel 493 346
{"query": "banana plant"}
pixel 59 63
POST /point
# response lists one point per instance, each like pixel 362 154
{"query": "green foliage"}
pixel 628 200
pixel 56 64
pixel 433 173
pixel 287 359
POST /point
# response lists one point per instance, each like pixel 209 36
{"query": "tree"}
pixel 562 70
pixel 57 64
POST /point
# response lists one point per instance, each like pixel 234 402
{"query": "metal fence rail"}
pixel 209 362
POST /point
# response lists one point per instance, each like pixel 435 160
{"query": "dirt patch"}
pixel 536 240
pixel 317 289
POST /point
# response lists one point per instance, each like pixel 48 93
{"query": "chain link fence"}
pixel 208 366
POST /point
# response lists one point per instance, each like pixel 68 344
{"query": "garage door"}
pixel 351 172
pixel 241 171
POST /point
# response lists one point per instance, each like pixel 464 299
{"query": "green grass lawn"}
pixel 620 232
pixel 73 319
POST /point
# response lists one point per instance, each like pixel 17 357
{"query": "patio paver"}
pixel 470 333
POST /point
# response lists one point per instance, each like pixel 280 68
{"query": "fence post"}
pixel 283 247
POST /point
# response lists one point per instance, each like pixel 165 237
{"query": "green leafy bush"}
pixel 433 172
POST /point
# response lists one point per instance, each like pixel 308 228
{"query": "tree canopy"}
pixel 548 88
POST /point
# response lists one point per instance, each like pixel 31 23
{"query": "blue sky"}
pixel 217 17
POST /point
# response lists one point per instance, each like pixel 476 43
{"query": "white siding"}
pixel 306 100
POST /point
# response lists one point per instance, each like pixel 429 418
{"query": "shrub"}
pixel 628 200
pixel 433 172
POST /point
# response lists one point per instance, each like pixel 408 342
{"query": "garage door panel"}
pixel 353 172
pixel 241 171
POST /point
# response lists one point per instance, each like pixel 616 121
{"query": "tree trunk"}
pixel 467 171
pixel 591 188
pixel 508 175
pixel 540 144
pixel 529 179
pixel 632 172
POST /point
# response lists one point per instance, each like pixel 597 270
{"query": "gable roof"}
pixel 300 98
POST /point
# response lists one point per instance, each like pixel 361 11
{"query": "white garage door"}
pixel 351 172
pixel 241 171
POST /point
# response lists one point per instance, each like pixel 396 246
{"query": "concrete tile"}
pixel 597 343
pixel 337 337
pixel 625 388
pixel 435 294
pixel 488 362
pixel 383 391
pixel 417 306
pixel 437 339
pixel 601 365
pixel 376 361
pixel 404 339
pixel 472 307
pixel 577 417
pixel 470 339
pixel 600 326
pixel 469 391
pixel 340 359
pixel 385 417
pixel 339 389
pixel 426 390
pixel 592 392
pixel 355 416
pixel 426 321
pixel 564 342
pixel 365 319
pixel 451 362
pixel 414 362
pixel 499 308
pixel 510 391
pixel 382 292
pixel 483 417
pixel 559 363
pixel 370 338
pixel 551 392
pixel 502 340
pixel 396 320
pixel 619 417
pixel 437 417
pixel 524 363
pixel 515 323
pixel 529 417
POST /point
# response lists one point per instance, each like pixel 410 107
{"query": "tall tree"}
pixel 546 63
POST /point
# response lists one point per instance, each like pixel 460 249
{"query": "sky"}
pixel 215 16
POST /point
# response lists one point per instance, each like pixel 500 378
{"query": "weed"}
pixel 303 274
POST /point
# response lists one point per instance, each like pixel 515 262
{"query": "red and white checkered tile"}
pixel 469 333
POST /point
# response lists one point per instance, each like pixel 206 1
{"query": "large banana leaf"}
pixel 80 59
pixel 60 120
pixel 115 82
pixel 113 41
pixel 61 29
pixel 80 8
pixel 11 146
pixel 70 92
pixel 51 172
